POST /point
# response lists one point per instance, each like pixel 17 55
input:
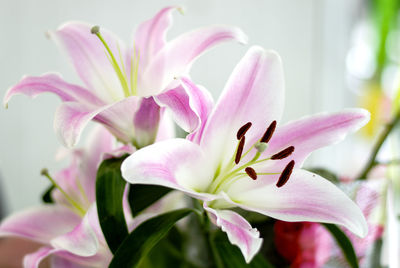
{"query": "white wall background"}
pixel 311 36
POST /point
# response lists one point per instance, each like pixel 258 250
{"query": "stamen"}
pixel 251 172
pixel 285 175
pixel 45 172
pixel 242 131
pixel 240 150
pixel 268 133
pixel 283 154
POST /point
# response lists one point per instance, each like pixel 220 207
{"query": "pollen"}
pixel 251 172
pixel 269 132
pixel 285 175
pixel 240 150
pixel 283 154
pixel 242 131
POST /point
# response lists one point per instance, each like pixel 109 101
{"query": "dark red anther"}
pixel 283 154
pixel 251 172
pixel 268 133
pixel 242 131
pixel 285 175
pixel 240 150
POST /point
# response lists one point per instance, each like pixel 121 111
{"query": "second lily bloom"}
pixel 127 89
pixel 237 158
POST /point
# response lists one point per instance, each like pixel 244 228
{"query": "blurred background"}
pixel 332 53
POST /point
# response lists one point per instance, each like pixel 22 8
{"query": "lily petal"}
pixel 146 122
pixel 239 231
pixel 89 58
pixel 170 163
pixel 40 224
pixel 33 260
pixel 98 143
pixel 305 197
pixel 82 240
pixel 177 56
pixel 254 93
pixel 119 117
pixel 189 104
pixel 313 132
pixel 166 128
pixel 150 35
pixel 53 83
pixel 70 120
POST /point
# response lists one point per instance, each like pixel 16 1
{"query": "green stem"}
pixel 372 159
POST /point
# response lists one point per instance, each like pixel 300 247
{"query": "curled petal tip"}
pixel 241 36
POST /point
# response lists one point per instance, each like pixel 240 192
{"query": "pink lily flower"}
pixel 127 89
pixel 238 159
pixel 69 229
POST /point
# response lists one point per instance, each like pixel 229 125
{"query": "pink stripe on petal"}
pixel 40 224
pixel 146 121
pixel 70 120
pixel 313 132
pixel 82 240
pixel 254 93
pixel 177 56
pixel 53 83
pixel 151 34
pixel 239 231
pixel 305 197
pixel 189 104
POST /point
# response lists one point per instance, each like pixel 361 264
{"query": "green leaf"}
pixel 227 255
pixel 344 243
pixel 109 193
pixel 141 240
pixel 142 196
pixel 46 197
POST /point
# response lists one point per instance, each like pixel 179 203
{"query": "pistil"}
pixel 122 78
pixel 81 211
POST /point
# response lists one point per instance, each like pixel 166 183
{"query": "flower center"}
pixel 234 170
pixel 129 85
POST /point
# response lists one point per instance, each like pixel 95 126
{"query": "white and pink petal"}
pixel 254 93
pixel 177 56
pixel 52 83
pixel 177 163
pixel 90 60
pixel 188 103
pixel 238 230
pixel 83 239
pixel 305 197
pixel 40 224
pixel 313 132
